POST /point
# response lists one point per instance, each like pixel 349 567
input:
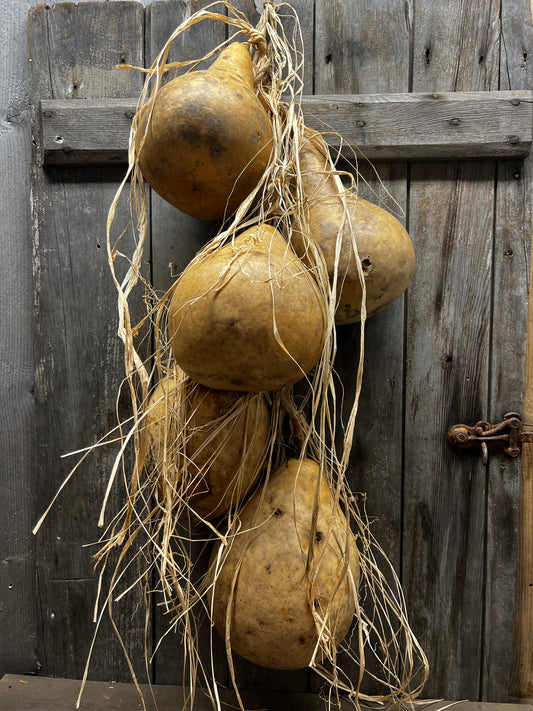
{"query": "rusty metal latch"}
pixel 506 435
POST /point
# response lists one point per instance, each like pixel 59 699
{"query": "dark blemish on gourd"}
pixel 301 640
pixel 215 148
pixel 191 134
pixel 268 569
pixel 319 536
pixel 367 266
pixel 278 512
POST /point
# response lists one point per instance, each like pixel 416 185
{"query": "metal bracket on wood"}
pixel 507 435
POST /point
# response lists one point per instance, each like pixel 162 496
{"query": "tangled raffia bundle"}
pixel 158 528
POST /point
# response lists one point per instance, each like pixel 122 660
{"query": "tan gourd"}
pixel 248 316
pixel 209 138
pixel 385 248
pixel 207 446
pixel 266 597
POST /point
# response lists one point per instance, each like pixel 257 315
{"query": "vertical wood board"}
pixel 175 239
pixel 508 578
pixel 73 50
pixel 455 48
pixel 349 58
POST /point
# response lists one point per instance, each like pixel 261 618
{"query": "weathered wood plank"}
pixel 455 48
pixel 510 553
pixel 349 59
pixel 512 235
pixel 78 357
pixel 383 126
pixel 22 693
pixel 17 408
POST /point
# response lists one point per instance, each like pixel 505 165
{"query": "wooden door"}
pixel 452 350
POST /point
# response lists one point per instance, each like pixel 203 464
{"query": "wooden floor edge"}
pixel 21 693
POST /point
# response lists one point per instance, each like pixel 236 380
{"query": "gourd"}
pixel 248 316
pixel 270 592
pixel 206 446
pixel 204 141
pixel 384 246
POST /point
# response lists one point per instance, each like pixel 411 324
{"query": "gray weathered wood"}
pixel 512 673
pixel 19 693
pixel 78 357
pixel 347 62
pixel 451 218
pixel 512 236
pixel 17 409
pixel 383 126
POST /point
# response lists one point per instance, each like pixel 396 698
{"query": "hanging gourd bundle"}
pixel 234 422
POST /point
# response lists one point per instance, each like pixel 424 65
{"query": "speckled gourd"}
pixel 206 446
pixel 274 601
pixel 384 246
pixel 248 316
pixel 208 140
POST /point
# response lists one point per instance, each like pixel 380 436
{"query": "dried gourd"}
pixel 248 316
pixel 206 446
pixel 282 586
pixel 204 142
pixel 384 246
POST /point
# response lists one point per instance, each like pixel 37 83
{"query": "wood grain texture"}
pixel 447 382
pixel 349 58
pixel 19 693
pixel 17 410
pixel 78 357
pixel 510 260
pixel 455 48
pixel 175 239
pixel 382 126
pixel 517 41
pixel 449 524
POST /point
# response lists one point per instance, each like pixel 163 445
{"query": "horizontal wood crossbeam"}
pixel 452 125
pixel 25 693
